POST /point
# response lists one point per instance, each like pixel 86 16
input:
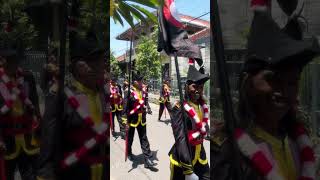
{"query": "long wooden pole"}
pixel 128 96
pixel 62 56
pixel 229 118
pixel 181 99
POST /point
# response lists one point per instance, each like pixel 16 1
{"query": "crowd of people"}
pixel 189 122
pixel 69 140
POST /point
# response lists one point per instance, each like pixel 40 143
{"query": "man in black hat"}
pixel 116 106
pixel 271 139
pixel 19 116
pixel 187 156
pixel 137 108
pixel 164 99
pixel 76 146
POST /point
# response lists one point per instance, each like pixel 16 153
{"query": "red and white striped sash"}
pixel 113 91
pixel 200 125
pixel 261 162
pixel 10 92
pixel 139 102
pixel 100 131
pixel 115 94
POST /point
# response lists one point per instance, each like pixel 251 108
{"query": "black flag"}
pixel 172 35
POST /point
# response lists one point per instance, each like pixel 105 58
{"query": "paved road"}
pixel 160 138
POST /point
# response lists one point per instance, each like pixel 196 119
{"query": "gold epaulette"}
pixel 177 105
pixel 124 120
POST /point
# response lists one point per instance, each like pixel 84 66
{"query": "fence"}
pixel 34 61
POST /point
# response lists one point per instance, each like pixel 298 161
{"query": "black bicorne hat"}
pixel 195 76
pixel 83 48
pixel 269 45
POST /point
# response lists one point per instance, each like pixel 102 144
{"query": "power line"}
pixel 197 17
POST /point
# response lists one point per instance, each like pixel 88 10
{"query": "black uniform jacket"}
pixel 134 118
pixel 223 163
pixel 58 135
pixel 29 87
pixel 179 153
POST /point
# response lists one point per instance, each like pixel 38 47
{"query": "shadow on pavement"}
pixel 167 121
pixel 139 160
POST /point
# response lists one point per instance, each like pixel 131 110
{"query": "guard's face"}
pixel 96 71
pixel 91 71
pixel 113 83
pixel 125 83
pixel 138 84
pixel 195 91
pixel 274 91
pixel 135 84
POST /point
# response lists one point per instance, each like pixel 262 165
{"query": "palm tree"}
pixel 130 10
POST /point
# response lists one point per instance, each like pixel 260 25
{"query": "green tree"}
pixel 114 66
pixel 130 10
pixel 148 60
pixel 93 12
pixel 15 24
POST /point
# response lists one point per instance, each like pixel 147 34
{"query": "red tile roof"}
pixel 201 34
pixel 121 58
pixel 192 20
pixel 188 20
pixel 196 36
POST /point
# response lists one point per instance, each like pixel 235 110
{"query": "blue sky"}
pixel 193 8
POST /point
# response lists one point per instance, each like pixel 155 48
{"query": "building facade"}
pixel 199 33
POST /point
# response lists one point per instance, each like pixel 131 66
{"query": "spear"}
pixel 184 115
pixel 229 117
pixel 62 55
pixel 128 97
